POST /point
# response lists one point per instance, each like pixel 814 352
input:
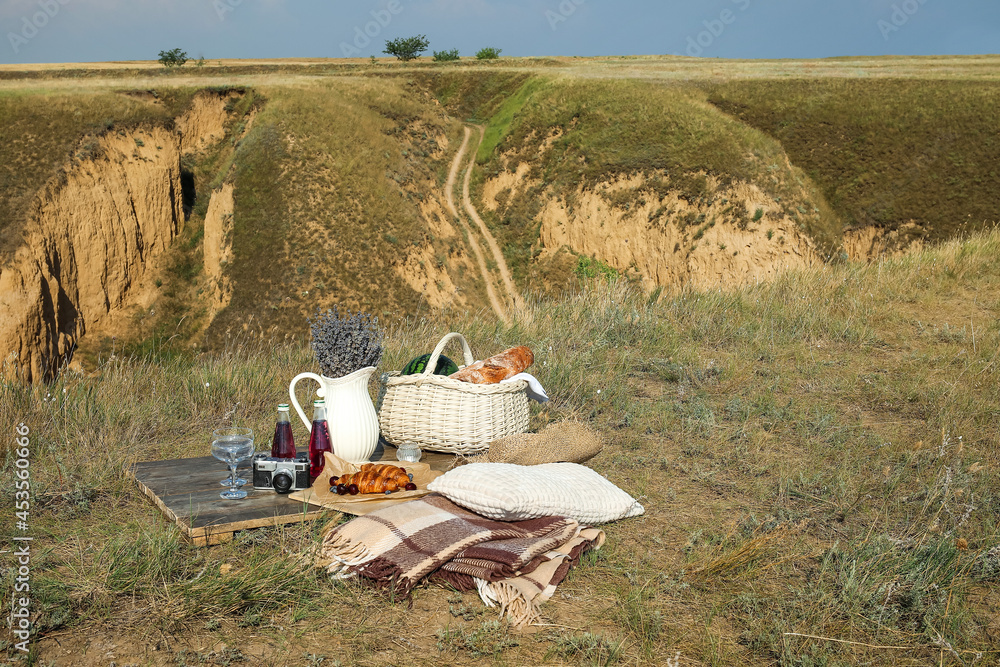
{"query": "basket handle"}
pixel 432 363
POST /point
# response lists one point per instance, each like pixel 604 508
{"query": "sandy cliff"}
pixel 218 246
pixel 91 236
pixel 740 236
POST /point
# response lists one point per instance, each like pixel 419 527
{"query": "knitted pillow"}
pixel 508 492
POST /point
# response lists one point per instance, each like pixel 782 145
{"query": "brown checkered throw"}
pixel 396 548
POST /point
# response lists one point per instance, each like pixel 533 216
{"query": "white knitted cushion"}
pixel 509 492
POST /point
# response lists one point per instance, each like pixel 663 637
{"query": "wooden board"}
pixel 438 464
pixel 187 492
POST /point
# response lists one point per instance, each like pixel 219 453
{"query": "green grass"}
pixel 592 649
pixel 885 153
pixel 816 457
pixel 588 268
pixel 472 95
pixel 499 124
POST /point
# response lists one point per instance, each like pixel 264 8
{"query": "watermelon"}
pixel 445 366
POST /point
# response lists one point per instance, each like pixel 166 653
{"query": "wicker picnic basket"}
pixel 445 415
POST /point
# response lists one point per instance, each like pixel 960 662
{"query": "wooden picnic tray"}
pixel 187 492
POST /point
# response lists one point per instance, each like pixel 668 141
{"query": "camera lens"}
pixel 282 482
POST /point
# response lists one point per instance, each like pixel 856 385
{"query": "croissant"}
pixel 388 471
pixel 376 478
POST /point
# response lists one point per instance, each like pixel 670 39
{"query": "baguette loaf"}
pixel 498 367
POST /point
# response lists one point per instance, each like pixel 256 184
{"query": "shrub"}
pixel 173 58
pixel 445 56
pixel 488 53
pixel 407 48
pixel 588 268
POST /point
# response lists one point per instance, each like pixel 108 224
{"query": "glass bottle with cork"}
pixel 283 445
pixel 319 440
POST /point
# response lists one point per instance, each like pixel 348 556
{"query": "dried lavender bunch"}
pixel 345 343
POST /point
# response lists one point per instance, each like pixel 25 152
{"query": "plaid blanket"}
pixel 514 564
pixel 397 547
pixel 500 559
pixel 519 597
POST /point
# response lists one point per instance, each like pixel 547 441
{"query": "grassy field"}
pixel 817 456
pixel 344 156
pixel 330 179
pixel 885 153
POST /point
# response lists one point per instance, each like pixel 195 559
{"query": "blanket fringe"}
pixel 520 612
pixel 485 592
pixel 340 554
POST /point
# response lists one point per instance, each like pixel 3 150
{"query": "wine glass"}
pixel 240 481
pixel 232 445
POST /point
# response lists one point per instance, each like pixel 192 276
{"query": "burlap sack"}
pixel 566 441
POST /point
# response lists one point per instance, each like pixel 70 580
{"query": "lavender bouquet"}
pixel 345 343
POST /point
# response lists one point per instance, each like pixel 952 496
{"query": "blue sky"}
pixel 99 30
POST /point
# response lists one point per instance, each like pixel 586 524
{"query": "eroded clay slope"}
pixel 91 236
pixel 217 246
pixel 641 226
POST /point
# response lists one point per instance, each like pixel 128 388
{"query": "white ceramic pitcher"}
pixel 349 412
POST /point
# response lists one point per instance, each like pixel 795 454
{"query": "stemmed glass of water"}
pixel 231 446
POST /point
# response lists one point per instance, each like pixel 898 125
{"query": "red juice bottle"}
pixel 283 446
pixel 319 440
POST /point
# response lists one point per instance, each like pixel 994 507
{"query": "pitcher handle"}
pixel 321 392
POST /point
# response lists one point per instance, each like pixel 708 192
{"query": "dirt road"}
pixel 508 282
pixel 449 193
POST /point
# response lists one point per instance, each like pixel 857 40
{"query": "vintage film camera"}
pixel 281 475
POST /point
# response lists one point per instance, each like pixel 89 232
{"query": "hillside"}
pixel 648 179
pixel 330 184
pixel 47 132
pixel 916 162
